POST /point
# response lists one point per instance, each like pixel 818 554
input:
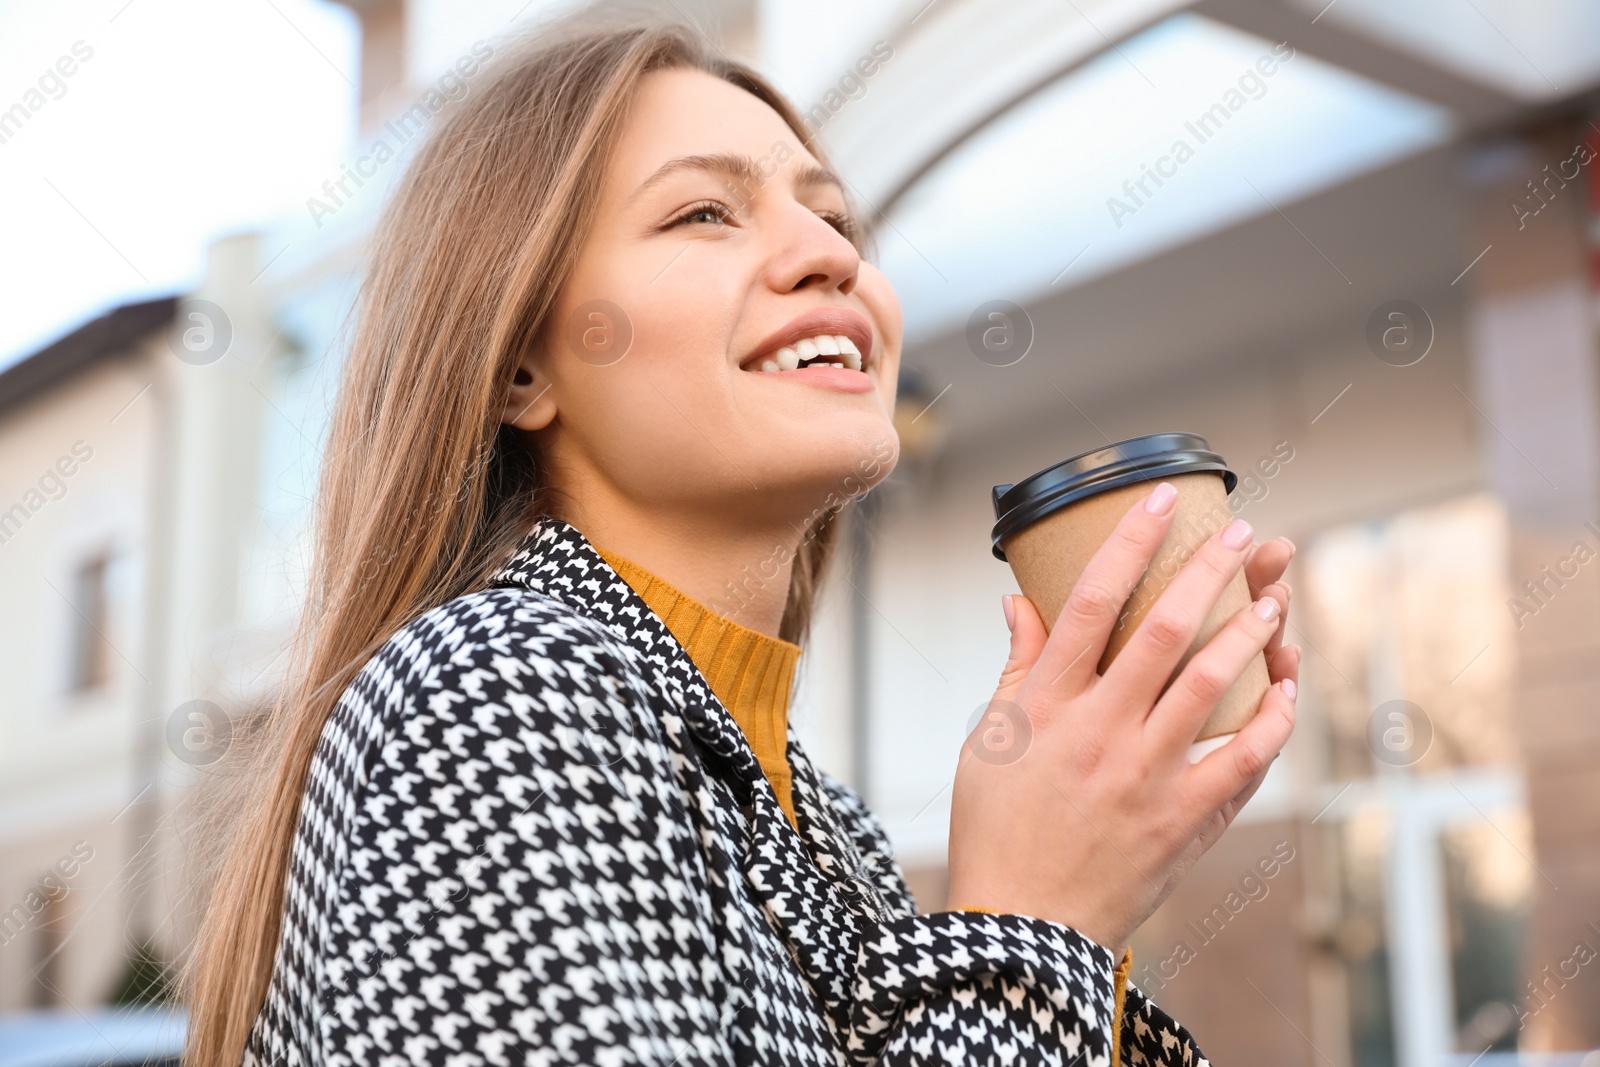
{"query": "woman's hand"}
pixel 1093 814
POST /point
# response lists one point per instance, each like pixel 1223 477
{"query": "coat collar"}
pixel 556 559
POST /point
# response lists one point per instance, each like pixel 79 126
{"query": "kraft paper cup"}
pixel 1050 524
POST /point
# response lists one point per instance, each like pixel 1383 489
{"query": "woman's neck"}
pixel 738 570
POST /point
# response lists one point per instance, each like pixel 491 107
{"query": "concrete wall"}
pixel 66 759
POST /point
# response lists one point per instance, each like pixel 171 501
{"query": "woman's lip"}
pixel 841 378
pixel 846 321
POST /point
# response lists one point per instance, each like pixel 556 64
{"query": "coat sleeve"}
pixel 972 987
pixel 1151 1037
pixel 514 890
pixel 978 987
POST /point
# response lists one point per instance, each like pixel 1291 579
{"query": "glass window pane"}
pixel 1489 886
pixel 1361 844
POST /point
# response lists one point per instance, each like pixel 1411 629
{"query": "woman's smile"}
pixel 828 347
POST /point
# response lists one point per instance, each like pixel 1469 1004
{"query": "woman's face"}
pixel 649 385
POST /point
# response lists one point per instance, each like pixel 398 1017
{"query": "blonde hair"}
pixel 424 491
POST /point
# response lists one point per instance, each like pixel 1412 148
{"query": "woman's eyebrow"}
pixel 742 169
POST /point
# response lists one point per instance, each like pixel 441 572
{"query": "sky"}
pixel 180 121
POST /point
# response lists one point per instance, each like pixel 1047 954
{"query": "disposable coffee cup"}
pixel 1049 525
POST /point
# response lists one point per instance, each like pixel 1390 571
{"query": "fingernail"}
pixel 1237 535
pixel 1160 499
pixel 1289 688
pixel 1292 549
pixel 1266 609
pixel 1010 610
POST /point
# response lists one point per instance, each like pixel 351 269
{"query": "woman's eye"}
pixel 710 211
pixel 843 223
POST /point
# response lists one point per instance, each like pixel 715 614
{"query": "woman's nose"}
pixel 812 254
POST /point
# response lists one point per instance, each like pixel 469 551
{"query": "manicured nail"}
pixel 1010 610
pixel 1292 549
pixel 1160 500
pixel 1290 690
pixel 1266 609
pixel 1237 535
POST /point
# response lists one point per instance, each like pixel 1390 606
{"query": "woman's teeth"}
pixel 823 350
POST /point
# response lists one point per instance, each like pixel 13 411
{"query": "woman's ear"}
pixel 530 404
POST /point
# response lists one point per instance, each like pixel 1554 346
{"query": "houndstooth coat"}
pixel 531 835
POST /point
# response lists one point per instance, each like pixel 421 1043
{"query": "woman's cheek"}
pixel 883 305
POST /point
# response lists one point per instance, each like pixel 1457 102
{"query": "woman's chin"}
pixel 838 468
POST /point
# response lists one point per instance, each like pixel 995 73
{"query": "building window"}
pixel 49 939
pixel 90 648
pixel 1489 887
pixel 1410 664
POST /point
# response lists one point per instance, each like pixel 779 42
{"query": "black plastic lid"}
pixel 1139 459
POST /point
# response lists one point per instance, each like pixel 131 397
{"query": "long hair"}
pixel 424 492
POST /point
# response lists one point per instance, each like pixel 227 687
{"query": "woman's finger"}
pixel 1144 665
pixel 1264 569
pixel 1284 662
pixel 1267 563
pixel 1183 708
pixel 1226 771
pixel 1028 637
pixel 1278 591
pixel 1071 656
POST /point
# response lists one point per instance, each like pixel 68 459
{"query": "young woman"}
pixel 531 799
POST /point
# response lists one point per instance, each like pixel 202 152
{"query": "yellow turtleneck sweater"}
pixel 752 673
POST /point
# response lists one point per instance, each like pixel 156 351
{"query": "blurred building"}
pixel 1369 280
pixel 80 429
pixel 131 455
